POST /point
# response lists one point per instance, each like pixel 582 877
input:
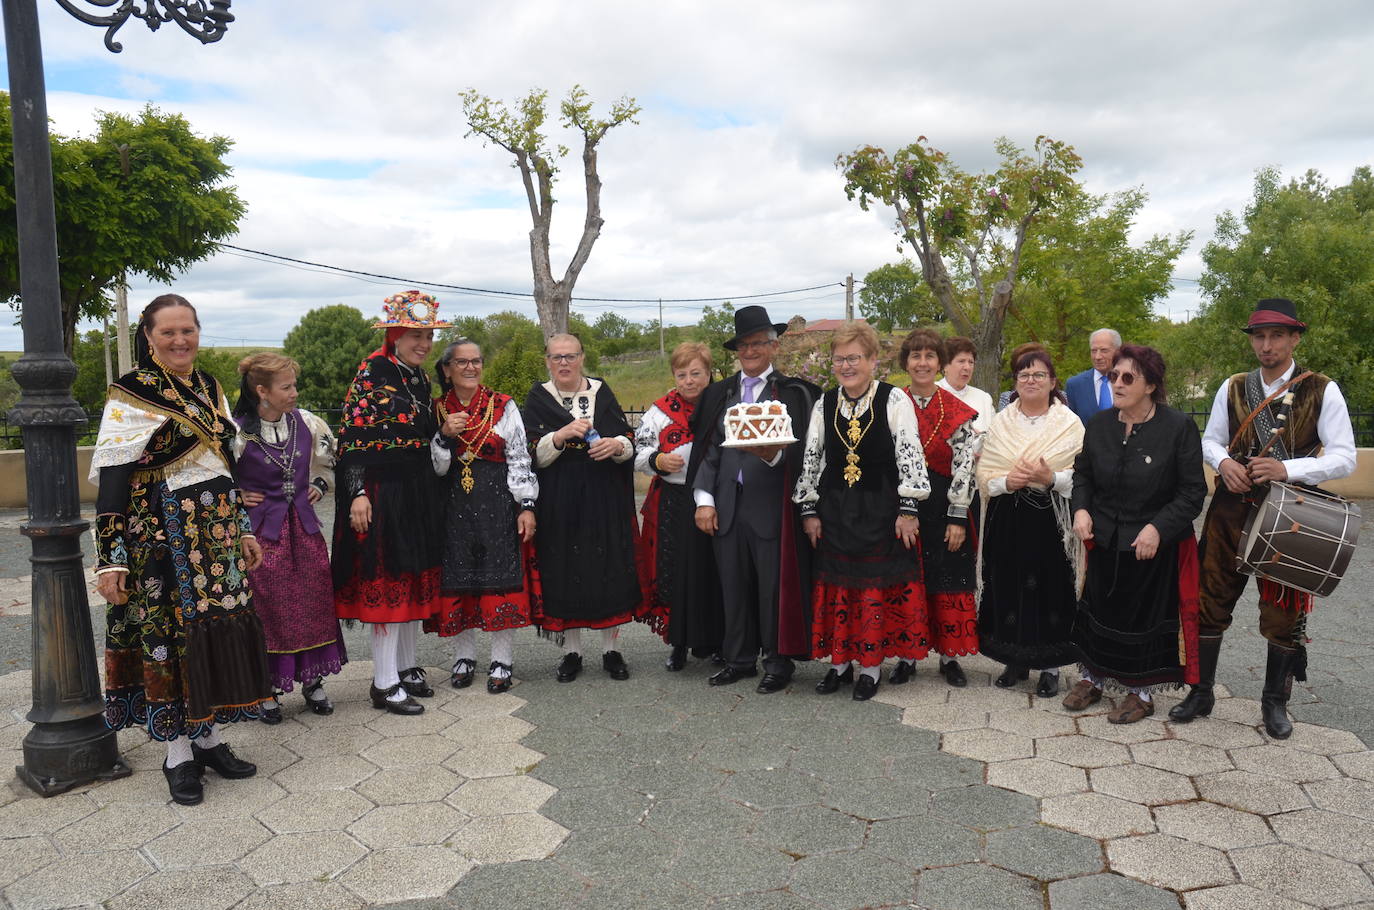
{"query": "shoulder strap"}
pixel 1244 424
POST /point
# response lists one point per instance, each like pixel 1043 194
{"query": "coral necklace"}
pixel 473 436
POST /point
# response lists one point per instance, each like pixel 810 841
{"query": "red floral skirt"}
pixel 869 624
pixel 954 623
pixel 389 598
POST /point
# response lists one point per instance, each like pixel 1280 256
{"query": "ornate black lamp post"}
pixel 69 743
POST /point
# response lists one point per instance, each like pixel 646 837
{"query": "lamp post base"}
pixel 60 756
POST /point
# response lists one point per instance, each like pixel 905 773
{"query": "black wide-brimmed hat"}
pixel 749 320
pixel 1275 312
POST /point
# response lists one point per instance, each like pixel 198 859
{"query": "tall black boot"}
pixel 1200 699
pixel 1283 665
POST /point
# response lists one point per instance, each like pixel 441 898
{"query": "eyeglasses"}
pixel 463 363
pixel 849 360
pixel 1125 377
pixel 753 345
pixel 1037 376
pixel 565 358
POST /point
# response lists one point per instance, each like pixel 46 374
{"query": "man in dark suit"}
pixel 743 499
pixel 1089 391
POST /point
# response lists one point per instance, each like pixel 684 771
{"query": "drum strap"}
pixel 1250 418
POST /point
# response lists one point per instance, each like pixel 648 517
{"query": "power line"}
pixel 317 266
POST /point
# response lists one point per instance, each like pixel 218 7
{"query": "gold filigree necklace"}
pixel 852 435
pixel 472 441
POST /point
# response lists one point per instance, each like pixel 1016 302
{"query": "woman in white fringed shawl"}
pixel 1030 563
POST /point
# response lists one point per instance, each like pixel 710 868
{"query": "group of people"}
pixel 898 521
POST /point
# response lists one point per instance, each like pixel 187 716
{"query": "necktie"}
pixel 1104 394
pixel 751 388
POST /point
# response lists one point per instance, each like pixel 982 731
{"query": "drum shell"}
pixel 1311 557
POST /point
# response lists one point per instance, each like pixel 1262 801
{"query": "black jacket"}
pixel 1154 477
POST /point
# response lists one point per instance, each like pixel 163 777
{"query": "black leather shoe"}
pixel 865 687
pixel 498 684
pixel 270 712
pixel 1048 686
pixel 718 659
pixel 183 782
pixel 677 659
pixel 321 705
pixel 953 674
pixel 417 687
pixel 222 758
pixel 834 679
pixel 461 677
pixel 614 665
pixel 1011 676
pixel 773 682
pixel 729 675
pixel 569 667
pixel 381 699
pixel 902 673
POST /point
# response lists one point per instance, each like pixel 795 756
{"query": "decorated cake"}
pixel 758 424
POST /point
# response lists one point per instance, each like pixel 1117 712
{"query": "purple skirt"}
pixel 293 593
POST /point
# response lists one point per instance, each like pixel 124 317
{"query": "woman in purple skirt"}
pixel 285 464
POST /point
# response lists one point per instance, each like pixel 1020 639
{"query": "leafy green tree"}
pixel 514 353
pixel 716 327
pixel 144 194
pixel 329 343
pixel 1306 240
pixel 895 296
pixel 967 231
pixel 521 133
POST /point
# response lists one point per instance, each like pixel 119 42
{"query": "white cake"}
pixel 758 424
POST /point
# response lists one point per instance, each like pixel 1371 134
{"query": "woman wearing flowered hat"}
pixel 386 522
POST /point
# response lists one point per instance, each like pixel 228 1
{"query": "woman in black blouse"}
pixel 1137 486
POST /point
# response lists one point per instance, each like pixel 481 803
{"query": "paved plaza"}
pixel 662 791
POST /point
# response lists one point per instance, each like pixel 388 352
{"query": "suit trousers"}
pixel 748 565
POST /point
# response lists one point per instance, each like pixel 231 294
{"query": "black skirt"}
pixel 1127 627
pixel 687 580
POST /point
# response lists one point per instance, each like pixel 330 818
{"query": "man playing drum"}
pixel 1266 425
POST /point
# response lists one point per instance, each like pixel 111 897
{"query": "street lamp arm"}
pixel 204 20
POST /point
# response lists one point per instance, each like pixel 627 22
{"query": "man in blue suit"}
pixel 1089 391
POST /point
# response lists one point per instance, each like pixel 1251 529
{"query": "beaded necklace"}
pixel 211 423
pixel 925 443
pixel 472 437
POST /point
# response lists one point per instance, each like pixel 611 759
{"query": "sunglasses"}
pixel 1126 378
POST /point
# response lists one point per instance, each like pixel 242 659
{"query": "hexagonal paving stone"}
pixel 986 808
pixel 745 753
pixel 809 830
pixel 938 771
pixel 675 777
pixel 508 838
pixel 594 807
pixel 1081 751
pixel 1216 826
pixel 1302 875
pixel 892 740
pixel 475 702
pixel 35 815
pixel 301 895
pixel 875 799
pixel 410 751
pixel 1324 740
pixel 943 718
pixel 310 855
pixel 1181 757
pixel 419 824
pixel 837 761
pixel 469 731
pixel 1356 764
pixel 987 745
pixel 207 888
pixel 410 785
pixel 1346 795
pixel 21 855
pixel 1169 862
pixel 854 879
pixel 990 698
pixel 493 760
pixel 1096 815
pixel 774 789
pixel 682 819
pixel 922 842
pixel 332 810
pixel 1219 733
pixel 77 880
pixel 976 888
pixel 330 740
pixel 1141 784
pixel 516 886
pixel 1252 792
pixel 1341 836
pixel 1044 853
pixel 334 772
pixel 1098 727
pixel 1235 897
pixel 1030 722
pixel 435 720
pixel 405 873
pixel 1098 892
pixel 1037 777
pixel 144 788
pixel 616 851
pixel 722 868
pixel 226 839
pixel 117 826
pixel 501 795
pixel 1290 764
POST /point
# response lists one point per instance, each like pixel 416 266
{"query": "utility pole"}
pixel 105 337
pixel 122 291
pixel 849 296
pixel 660 326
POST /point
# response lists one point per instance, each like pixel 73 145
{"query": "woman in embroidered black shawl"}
pixel 184 649
pixel 582 445
pixel 387 540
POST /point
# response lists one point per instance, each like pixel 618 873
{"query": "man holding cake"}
pixel 742 470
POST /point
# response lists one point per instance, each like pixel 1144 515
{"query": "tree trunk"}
pixel 987 337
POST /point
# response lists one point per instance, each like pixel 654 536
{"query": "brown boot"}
pixel 1132 708
pixel 1082 695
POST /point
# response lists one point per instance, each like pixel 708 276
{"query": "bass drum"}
pixel 1300 537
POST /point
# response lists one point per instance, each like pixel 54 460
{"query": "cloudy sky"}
pixel 350 145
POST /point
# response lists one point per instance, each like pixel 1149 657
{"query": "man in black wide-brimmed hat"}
pixel 1312 442
pixel 743 498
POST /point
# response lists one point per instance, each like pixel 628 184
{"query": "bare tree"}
pixel 521 132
